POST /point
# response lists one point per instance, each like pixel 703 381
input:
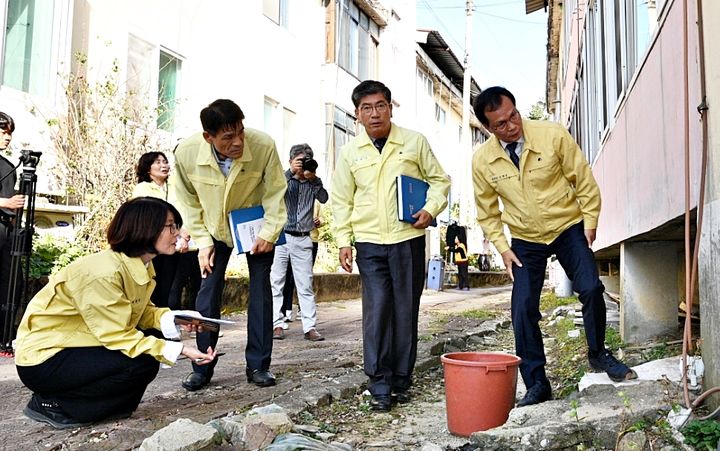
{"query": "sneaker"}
pixel 615 369
pixel 49 412
pixel 540 392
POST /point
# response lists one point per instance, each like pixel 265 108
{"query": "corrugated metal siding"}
pixel 534 5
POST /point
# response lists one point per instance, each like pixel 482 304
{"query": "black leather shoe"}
pixel 400 396
pixel 381 403
pixel 50 412
pixel 195 381
pixel 540 392
pixel 261 378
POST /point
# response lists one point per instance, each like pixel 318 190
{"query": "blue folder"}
pixel 411 197
pixel 245 225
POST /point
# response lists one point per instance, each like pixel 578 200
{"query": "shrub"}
pixel 51 254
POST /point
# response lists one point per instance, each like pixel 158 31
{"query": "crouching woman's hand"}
pixel 200 358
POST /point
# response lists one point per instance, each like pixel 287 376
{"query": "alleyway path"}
pixel 294 360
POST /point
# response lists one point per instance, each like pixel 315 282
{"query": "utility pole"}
pixel 466 190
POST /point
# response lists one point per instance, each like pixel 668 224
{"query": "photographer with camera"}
pixel 9 203
pixel 303 188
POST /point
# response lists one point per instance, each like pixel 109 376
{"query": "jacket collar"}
pixel 136 268
pixel 497 151
pixel 206 155
pixel 395 137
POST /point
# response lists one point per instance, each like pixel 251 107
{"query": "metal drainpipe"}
pixel 692 268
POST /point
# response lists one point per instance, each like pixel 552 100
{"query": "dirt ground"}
pixel 295 362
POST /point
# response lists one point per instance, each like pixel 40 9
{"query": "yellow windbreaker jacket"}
pixel 98 300
pixel 151 189
pixel 206 196
pixel 364 190
pixel 553 190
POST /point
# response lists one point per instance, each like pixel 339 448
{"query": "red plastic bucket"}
pixel 479 390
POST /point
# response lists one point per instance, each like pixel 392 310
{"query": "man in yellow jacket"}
pixel 551 205
pixel 390 253
pixel 224 168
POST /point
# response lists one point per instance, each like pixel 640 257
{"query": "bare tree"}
pixel 98 141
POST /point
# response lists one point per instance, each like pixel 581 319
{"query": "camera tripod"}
pixel 21 248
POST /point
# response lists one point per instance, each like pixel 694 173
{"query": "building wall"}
pixel 640 169
pixel 228 49
pixel 709 261
pixel 639 166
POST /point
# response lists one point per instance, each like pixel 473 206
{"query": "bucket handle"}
pixel 502 367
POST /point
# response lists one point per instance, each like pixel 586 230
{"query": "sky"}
pixel 508 47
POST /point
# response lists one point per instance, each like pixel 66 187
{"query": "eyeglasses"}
pixel 503 125
pixel 379 108
pixel 173 227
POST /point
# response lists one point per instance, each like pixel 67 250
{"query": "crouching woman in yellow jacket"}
pixel 81 346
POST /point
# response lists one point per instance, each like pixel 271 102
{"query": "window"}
pixel 424 93
pixel 289 134
pixel 168 81
pixel 139 72
pixel 271 121
pixel 439 114
pixel 340 129
pixel 477 136
pixel 28 46
pixel 357 37
pixel 277 11
pixel 569 18
pixel 280 123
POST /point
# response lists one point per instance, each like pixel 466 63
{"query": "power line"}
pixel 489 5
pixel 513 20
pixel 442 24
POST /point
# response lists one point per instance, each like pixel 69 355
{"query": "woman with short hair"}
pixel 172 272
pixel 82 346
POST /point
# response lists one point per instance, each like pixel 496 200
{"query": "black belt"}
pixel 293 233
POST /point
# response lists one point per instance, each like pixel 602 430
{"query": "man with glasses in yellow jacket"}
pixel 223 168
pixel 551 205
pixel 390 253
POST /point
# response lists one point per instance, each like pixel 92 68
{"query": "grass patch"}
pixel 548 301
pixel 479 314
pixel 568 356
pixel 438 324
pixel 613 340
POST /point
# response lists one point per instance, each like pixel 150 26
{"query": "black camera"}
pixel 309 164
pixel 30 158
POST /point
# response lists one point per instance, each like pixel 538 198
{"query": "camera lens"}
pixel 310 165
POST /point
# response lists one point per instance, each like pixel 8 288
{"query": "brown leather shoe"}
pixel 278 333
pixel 313 335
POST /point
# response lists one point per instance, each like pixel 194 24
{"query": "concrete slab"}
pixel 668 368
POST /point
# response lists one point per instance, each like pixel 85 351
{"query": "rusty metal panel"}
pixel 534 5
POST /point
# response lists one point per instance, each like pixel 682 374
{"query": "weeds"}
pixel 702 434
pixel 549 301
pixel 479 314
pixel 613 340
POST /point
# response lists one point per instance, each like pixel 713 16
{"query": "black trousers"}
pixel 165 268
pixel 5 278
pixel 91 384
pixel 187 276
pixel 392 282
pixel 289 288
pixel 259 311
pixel 578 261
pixel 463 281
